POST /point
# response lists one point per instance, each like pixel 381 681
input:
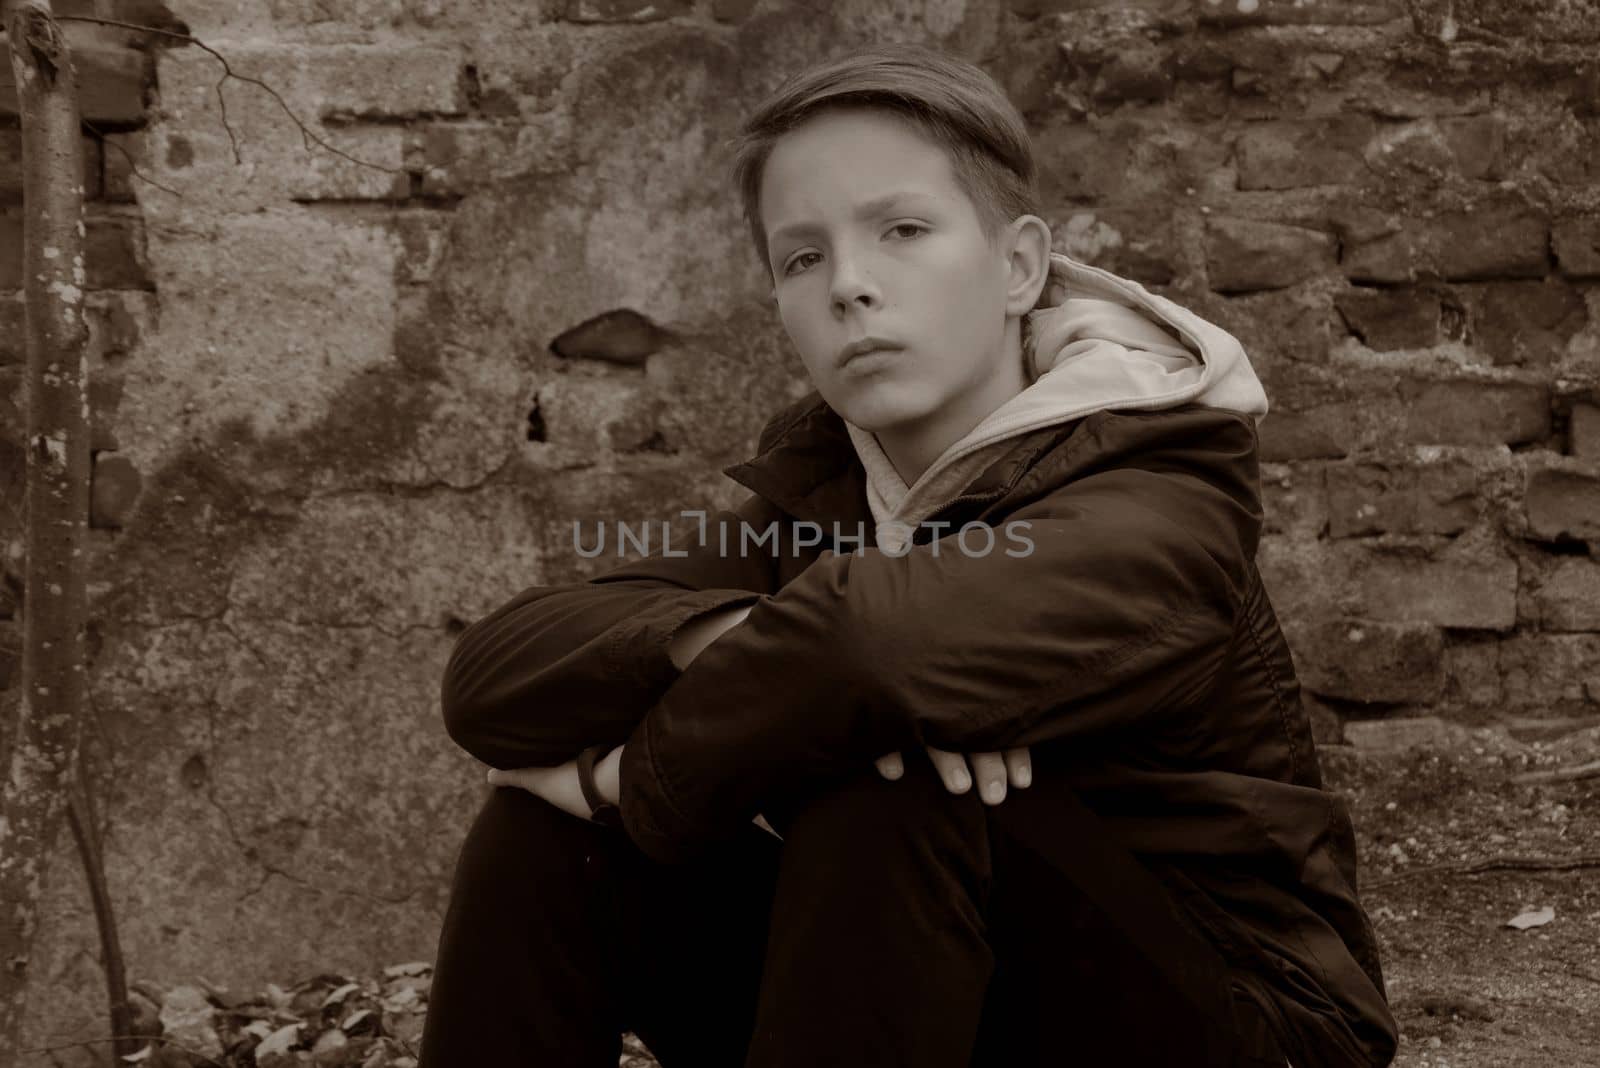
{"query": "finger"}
pixel 561 790
pixel 1019 767
pixel 989 769
pixel 891 766
pixel 952 768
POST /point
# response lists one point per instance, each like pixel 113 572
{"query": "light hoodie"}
pixel 1097 342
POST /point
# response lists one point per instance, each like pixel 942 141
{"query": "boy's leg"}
pixel 876 954
pixel 1095 963
pixel 560 935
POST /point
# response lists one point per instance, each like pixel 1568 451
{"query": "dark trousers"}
pixel 895 925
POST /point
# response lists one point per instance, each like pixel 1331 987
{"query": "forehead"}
pixel 852 163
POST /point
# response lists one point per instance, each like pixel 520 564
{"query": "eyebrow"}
pixel 867 209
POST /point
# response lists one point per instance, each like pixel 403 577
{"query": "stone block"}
pixel 1420 498
pixel 1526 324
pixel 1550 673
pixel 1563 501
pixel 1139 72
pixel 1458 246
pixel 1291 154
pixel 592 416
pixel 1274 325
pixel 1366 660
pixel 1119 159
pixel 113 491
pixel 1397 735
pixel 1576 240
pixel 1250 254
pixel 1299 13
pixel 1133 243
pixel 1472 669
pixel 1464 591
pixel 111 84
pixel 1568 599
pixel 114 253
pixel 1294 498
pixel 380 174
pixel 1477 143
pixel 623 10
pixel 1583 429
pixel 1389 319
pixel 458 157
pixel 1461 412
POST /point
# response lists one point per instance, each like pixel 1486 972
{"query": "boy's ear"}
pixel 1030 263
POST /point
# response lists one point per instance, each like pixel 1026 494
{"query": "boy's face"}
pixel 917 271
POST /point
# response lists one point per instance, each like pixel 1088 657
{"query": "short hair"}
pixel 952 102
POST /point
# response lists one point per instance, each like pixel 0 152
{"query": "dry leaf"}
pixel 1537 918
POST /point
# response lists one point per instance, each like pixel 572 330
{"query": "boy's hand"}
pixel 991 770
pixel 559 785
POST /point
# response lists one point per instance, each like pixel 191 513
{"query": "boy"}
pixel 1053 476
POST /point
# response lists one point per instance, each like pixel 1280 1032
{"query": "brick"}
pixel 1389 319
pixel 1583 431
pixel 1397 735
pixel 1465 593
pixel 1366 660
pixel 623 10
pixel 1295 154
pixel 1477 144
pixel 1526 323
pixel 119 154
pixel 114 254
pixel 1468 583
pixel 1294 499
pixel 458 157
pixel 1299 13
pixel 111 84
pixel 113 491
pixel 1569 597
pixel 317 174
pixel 1131 162
pixel 1366 498
pixel 1563 502
pixel 1576 240
pixel 1131 242
pixel 1461 246
pixel 1274 325
pixel 1472 669
pixel 1135 73
pixel 1249 254
pixel 1471 413
pixel 1550 674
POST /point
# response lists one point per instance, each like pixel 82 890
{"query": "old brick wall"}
pixel 341 410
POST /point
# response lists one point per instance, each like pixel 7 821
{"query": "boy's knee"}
pixel 867 819
pixel 516 834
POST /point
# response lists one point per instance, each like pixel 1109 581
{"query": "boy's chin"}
pixel 883 411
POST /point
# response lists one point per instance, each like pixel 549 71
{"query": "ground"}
pixel 1468 990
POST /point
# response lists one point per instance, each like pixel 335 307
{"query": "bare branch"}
pixel 1488 864
pixel 306 135
pixel 132 164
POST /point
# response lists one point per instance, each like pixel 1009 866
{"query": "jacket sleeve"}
pixel 559 668
pixel 1121 611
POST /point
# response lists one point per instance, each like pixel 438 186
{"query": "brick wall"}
pixel 339 410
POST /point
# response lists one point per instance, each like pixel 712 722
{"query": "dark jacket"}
pixel 1133 647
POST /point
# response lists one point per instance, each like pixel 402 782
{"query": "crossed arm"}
pixel 559 785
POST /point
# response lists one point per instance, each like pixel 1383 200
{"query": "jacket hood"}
pixel 1097 342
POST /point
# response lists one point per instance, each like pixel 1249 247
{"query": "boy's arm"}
pixel 1121 612
pixel 560 668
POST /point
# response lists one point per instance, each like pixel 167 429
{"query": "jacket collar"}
pixel 808 467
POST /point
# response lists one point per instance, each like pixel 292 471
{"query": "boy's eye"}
pixel 907 226
pixel 792 263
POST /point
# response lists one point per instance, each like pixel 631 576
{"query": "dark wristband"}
pixel 600 810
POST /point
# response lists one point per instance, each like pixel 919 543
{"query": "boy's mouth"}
pixel 865 345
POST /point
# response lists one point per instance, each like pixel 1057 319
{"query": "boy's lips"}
pixel 865 345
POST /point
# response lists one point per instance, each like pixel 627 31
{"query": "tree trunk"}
pixel 48 727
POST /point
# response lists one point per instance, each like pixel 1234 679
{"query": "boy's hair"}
pixel 950 101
